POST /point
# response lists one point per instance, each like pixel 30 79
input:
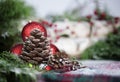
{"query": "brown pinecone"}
pixel 62 61
pixel 36 48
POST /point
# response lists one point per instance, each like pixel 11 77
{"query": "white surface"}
pixel 79 41
pixel 94 67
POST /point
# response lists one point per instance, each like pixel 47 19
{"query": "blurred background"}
pixel 85 29
pixel 46 7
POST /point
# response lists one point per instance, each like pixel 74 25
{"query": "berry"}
pixel 72 32
pixel 29 27
pixel 102 16
pixel 51 41
pixel 96 12
pixel 17 49
pixel 57 37
pixel 67 27
pixel 56 30
pixel 91 24
pixel 55 25
pixel 116 19
pixel 54 49
pixel 89 17
pixel 44 23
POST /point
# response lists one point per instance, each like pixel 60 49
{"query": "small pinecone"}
pixel 61 61
pixel 36 48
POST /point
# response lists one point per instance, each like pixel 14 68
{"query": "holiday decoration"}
pixel 48 68
pixel 58 60
pixel 36 48
pixel 38 51
pixel 17 49
pixel 43 42
pixel 29 27
pixel 54 49
pixel 62 61
pixel 45 67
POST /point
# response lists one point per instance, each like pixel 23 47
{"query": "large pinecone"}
pixel 36 49
pixel 62 61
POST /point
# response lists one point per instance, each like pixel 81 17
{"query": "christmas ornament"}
pixel 53 48
pixel 36 48
pixel 45 67
pixel 48 68
pixel 29 27
pixel 16 49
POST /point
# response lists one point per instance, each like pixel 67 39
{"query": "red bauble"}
pixel 29 27
pixel 54 49
pixel 17 49
pixel 48 68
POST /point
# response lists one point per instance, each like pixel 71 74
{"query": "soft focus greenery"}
pixel 11 14
pixel 108 49
pixel 12 69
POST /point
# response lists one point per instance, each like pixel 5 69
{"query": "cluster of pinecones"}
pixel 61 61
pixel 36 50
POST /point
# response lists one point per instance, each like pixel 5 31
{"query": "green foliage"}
pixel 65 35
pixel 11 13
pixel 12 59
pixel 12 69
pixel 7 41
pixel 108 49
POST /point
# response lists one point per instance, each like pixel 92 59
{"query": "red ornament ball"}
pixel 29 27
pixel 17 49
pixel 54 49
pixel 48 68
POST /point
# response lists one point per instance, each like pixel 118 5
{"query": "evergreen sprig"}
pixel 108 49
pixel 13 69
pixel 11 14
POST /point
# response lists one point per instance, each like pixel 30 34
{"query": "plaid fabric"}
pixel 102 71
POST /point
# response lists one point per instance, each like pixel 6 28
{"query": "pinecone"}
pixel 62 61
pixel 36 48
